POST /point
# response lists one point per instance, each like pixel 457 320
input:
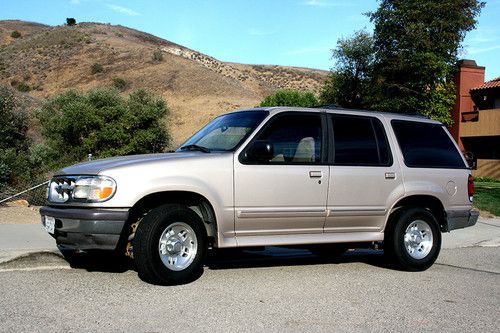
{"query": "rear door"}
pixel 363 176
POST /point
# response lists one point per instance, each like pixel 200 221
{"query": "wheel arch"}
pixel 195 201
pixel 429 202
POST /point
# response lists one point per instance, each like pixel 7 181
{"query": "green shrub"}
pixel 96 68
pixel 120 83
pixel 14 161
pixel 290 97
pixel 15 34
pixel 486 180
pixel 157 55
pixel 102 123
pixel 23 87
pixel 20 86
pixel 70 21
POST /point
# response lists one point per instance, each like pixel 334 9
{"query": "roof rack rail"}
pixel 337 107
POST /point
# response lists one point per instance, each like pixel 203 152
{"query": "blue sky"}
pixel 278 32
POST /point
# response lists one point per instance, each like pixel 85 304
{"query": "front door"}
pixel 281 187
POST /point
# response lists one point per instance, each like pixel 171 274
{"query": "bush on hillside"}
pixel 23 87
pixel 14 145
pixel 15 34
pixel 96 68
pixel 290 97
pixel 157 55
pixel 102 123
pixel 120 83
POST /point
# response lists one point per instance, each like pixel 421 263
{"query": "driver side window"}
pixel 288 139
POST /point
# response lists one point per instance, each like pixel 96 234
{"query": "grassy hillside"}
pixel 47 60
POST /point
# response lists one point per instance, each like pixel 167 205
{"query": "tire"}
pixel 413 240
pixel 170 245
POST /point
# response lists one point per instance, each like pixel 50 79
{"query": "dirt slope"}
pixel 197 87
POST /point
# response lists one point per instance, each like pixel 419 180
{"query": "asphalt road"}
pixel 273 291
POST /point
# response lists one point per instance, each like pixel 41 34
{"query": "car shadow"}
pixel 290 256
pixel 220 259
pixel 99 261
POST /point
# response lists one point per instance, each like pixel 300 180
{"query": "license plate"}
pixel 50 224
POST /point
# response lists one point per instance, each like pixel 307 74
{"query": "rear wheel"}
pixel 170 245
pixel 414 240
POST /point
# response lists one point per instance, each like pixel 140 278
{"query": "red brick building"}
pixel 476 117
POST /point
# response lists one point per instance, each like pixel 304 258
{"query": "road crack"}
pixel 468 268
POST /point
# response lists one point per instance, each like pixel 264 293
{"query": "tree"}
pixel 349 80
pixel 289 97
pixel 14 144
pixel 102 123
pixel 416 45
pixel 70 21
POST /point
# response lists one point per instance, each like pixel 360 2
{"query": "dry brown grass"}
pixel 196 87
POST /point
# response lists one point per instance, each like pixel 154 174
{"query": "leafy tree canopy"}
pixel 289 97
pixel 14 162
pixel 348 83
pixel 415 47
pixel 102 123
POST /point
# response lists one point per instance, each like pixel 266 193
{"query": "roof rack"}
pixel 336 107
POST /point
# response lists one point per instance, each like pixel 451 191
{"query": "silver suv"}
pixel 270 176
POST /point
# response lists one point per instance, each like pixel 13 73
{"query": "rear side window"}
pixel 426 145
pixel 359 141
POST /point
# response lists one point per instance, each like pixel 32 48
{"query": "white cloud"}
pixel 123 10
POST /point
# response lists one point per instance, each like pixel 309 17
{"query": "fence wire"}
pixel 35 195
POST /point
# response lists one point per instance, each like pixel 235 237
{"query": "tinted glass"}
pixel 383 145
pixel 426 145
pixel 359 141
pixel 292 139
pixel 227 131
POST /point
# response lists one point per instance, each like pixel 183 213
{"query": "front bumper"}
pixel 458 219
pixel 87 228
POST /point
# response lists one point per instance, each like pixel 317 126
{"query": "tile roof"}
pixel 495 83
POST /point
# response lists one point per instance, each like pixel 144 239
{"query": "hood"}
pixel 97 166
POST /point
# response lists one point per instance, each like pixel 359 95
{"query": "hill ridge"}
pixel 47 60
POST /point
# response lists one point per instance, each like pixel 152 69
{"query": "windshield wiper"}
pixel 195 147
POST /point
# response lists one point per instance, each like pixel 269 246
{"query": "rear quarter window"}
pixel 426 145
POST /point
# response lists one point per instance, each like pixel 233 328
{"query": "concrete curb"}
pixel 33 260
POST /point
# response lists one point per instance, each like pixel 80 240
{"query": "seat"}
pixel 305 151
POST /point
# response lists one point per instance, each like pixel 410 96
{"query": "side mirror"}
pixel 471 159
pixel 259 151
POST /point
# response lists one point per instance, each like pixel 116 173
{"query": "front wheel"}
pixel 413 241
pixel 170 245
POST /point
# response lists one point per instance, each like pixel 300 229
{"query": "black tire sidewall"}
pixel 399 252
pixel 149 231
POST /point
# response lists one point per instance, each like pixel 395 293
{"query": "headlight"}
pixel 81 188
pixel 94 188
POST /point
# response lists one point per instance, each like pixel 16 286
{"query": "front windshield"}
pixel 226 132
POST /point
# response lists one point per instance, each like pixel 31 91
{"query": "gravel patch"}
pixel 20 215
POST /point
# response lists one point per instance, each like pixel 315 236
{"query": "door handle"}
pixel 390 175
pixel 315 174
